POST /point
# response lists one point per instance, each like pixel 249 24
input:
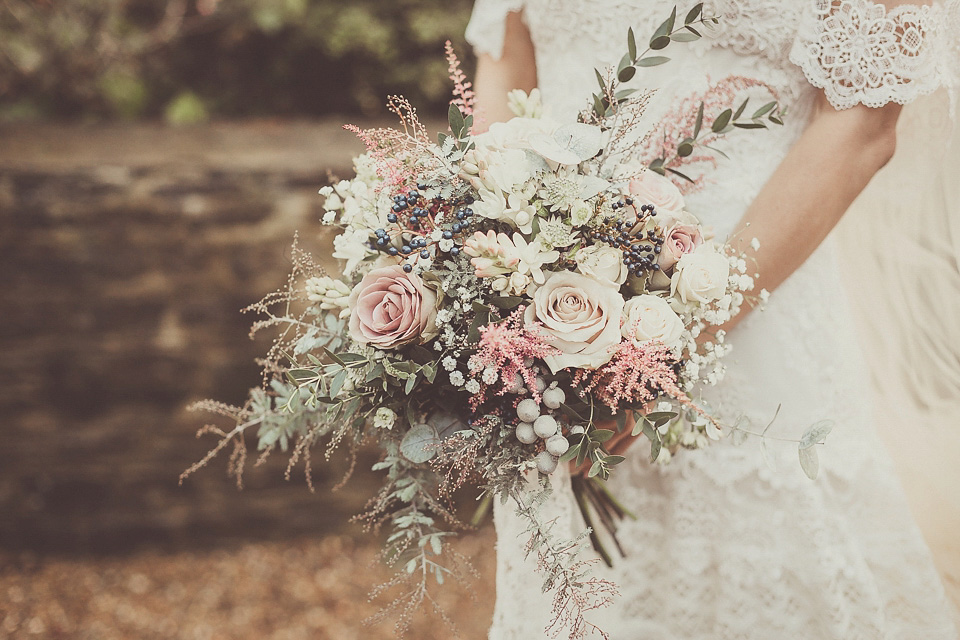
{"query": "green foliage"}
pixel 186 60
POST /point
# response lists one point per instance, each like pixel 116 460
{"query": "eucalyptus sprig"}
pixel 725 122
pixel 608 98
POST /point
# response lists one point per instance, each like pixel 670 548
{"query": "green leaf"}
pixel 455 118
pixel 625 62
pixel 638 427
pixel 810 462
pixel 506 302
pixel 764 110
pixel 301 375
pixel 694 13
pixel 613 460
pixel 749 125
pixel 621 421
pixel 600 80
pixel 816 433
pixel 685 148
pixel 601 435
pixel 420 443
pixel 649 431
pixel 740 109
pixel 571 453
pixel 627 74
pixel 441 138
pixel 659 418
pixel 337 383
pixel 684 36
pixel 631 44
pixel 411 383
pixel 598 107
pixel 334 357
pixel 665 28
pixel 595 469
pixel 655 445
pixel 682 175
pixel 652 61
pixel 693 31
pixel 722 121
pixel 699 124
pixel 659 42
pixel 775 120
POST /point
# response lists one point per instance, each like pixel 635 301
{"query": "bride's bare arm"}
pixel 516 69
pixel 822 174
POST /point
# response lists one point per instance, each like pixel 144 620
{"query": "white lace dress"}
pixel 723 546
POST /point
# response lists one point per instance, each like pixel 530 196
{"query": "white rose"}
pixel 583 319
pixel 602 262
pixel 653 188
pixel 701 276
pixel 651 318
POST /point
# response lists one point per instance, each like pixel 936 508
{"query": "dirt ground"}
pixel 303 589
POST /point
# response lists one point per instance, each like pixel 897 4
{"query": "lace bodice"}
pixel 724 547
pixel 857 51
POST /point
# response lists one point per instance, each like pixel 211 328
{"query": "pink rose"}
pixel 679 238
pixel 390 308
pixel 653 188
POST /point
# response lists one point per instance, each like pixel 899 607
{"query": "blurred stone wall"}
pixel 126 253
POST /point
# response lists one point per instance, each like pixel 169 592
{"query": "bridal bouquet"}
pixel 509 302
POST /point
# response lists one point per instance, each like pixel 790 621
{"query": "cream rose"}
pixel 653 188
pixel 701 276
pixel 650 318
pixel 602 262
pixel 390 308
pixel 581 315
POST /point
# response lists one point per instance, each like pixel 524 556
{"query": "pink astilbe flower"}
pixel 463 94
pixel 635 375
pixel 506 347
pixel 396 152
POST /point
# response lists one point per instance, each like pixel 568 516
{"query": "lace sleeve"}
pixel 860 52
pixel 488 23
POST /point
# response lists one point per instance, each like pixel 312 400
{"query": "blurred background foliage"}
pixel 190 60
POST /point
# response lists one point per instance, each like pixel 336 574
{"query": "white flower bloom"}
pixel 700 277
pixel 351 246
pixel 524 105
pixel 384 418
pixel 580 213
pixel 532 256
pixel 472 386
pixel 555 233
pixel 449 363
pixel 329 217
pixel 755 244
pixel 332 294
pixel 456 379
pixel 520 213
pixel 326 191
pixel 648 318
pixel 602 262
pixel 445 245
pixel 490 375
pixel 333 202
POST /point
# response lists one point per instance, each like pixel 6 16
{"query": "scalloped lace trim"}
pixel 859 52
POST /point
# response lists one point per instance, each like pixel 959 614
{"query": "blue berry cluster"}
pixel 414 216
pixel 639 249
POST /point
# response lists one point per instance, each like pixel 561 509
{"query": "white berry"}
pixel 557 445
pixel 554 397
pixel 525 433
pixel 528 410
pixel 541 384
pixel 545 426
pixel 546 463
pixel 516 385
pixel 576 429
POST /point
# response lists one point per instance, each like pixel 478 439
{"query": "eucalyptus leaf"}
pixel 631 44
pixel 739 111
pixel 816 433
pixel 810 462
pixel 684 36
pixel 595 469
pixel 653 61
pixel 420 443
pixel 694 13
pixel 722 121
pixel 655 445
pixel 660 42
pixel 337 383
pixel 506 302
pixel 626 74
pixel 613 460
pixel 601 435
pixel 571 453
pixel 764 110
